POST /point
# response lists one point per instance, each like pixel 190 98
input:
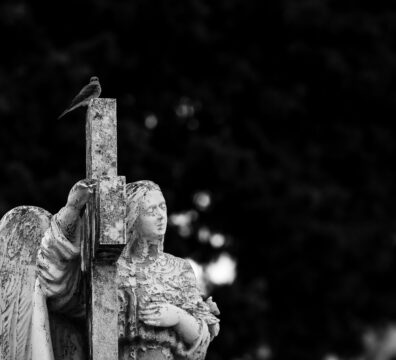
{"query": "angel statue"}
pixel 162 315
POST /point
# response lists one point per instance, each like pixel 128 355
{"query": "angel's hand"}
pixel 160 314
pixel 212 306
pixel 80 193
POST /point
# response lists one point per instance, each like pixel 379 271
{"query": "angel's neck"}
pixel 146 249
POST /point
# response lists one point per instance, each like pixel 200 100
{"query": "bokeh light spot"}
pixel 151 121
pixel 202 200
pixel 203 234
pixel 222 271
pixel 331 357
pixel 185 108
pixel 183 222
pixel 263 352
pixel 217 240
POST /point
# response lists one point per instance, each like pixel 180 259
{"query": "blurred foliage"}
pixel 283 111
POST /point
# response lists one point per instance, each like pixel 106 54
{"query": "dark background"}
pixel 283 111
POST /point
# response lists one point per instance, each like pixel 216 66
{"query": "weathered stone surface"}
pixel 120 300
pixel 104 319
pixel 105 224
pixel 162 314
pixel 21 230
pixel 101 138
pixel 105 228
pixel 68 338
pixel 111 211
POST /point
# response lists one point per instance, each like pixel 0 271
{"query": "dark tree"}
pixel 280 110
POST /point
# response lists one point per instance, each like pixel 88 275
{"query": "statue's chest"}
pixel 160 281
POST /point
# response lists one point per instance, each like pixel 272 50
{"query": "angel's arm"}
pixel 194 321
pixel 58 259
pixel 67 217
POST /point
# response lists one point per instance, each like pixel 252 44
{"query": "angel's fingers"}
pixel 151 306
pixel 148 321
pixel 149 311
pixel 92 184
pixel 154 316
pixel 152 322
pixel 82 183
pixel 87 182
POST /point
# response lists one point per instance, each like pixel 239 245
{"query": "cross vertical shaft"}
pixel 104 229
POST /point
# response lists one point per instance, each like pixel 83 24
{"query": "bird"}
pixel 88 92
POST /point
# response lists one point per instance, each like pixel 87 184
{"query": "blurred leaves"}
pixel 280 110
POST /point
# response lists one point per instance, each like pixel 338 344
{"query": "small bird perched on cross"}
pixel 88 92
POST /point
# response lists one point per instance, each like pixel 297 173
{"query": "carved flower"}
pixel 115 231
pixel 212 306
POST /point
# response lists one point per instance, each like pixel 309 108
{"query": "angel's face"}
pixel 152 219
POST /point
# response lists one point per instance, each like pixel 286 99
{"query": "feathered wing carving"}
pixel 21 231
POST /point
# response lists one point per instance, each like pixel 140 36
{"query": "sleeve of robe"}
pixel 59 263
pixel 200 310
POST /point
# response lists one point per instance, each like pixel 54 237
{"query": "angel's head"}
pixel 94 79
pixel 146 211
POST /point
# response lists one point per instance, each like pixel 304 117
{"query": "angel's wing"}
pixel 21 230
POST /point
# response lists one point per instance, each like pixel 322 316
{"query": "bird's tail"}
pixel 64 113
pixel 70 109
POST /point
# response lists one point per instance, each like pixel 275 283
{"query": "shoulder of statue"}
pixel 122 262
pixel 125 269
pixel 182 266
pixel 187 271
pixel 177 261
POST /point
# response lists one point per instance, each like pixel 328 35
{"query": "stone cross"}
pixel 104 230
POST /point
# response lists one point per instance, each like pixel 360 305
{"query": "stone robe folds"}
pixel 167 279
